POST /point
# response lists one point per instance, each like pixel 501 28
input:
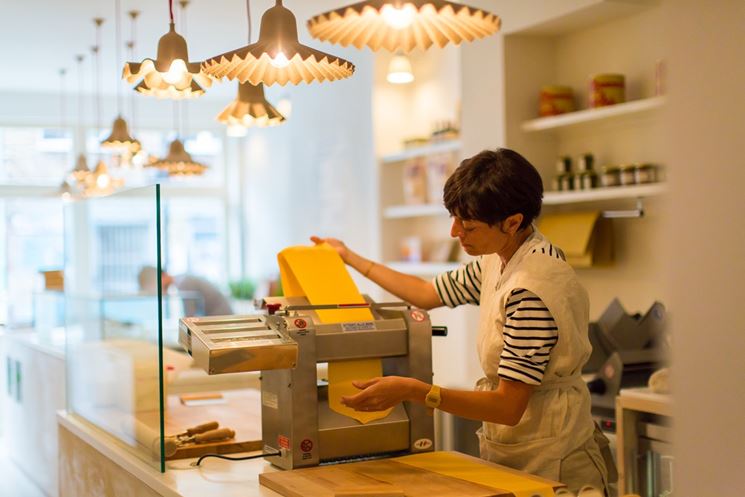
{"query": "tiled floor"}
pixel 13 482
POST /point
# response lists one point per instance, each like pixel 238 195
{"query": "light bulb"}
pixel 400 78
pixel 284 106
pixel 280 60
pixel 399 70
pixel 103 181
pixel 236 130
pixel 176 72
pixel 398 17
pixel 66 197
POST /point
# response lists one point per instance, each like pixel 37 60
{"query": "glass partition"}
pixel 114 332
pixel 127 374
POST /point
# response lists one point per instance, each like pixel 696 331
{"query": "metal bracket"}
pixel 626 214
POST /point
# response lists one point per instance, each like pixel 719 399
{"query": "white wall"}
pixel 316 173
pixel 704 241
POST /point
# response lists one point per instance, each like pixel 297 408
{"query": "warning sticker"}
pixel 283 442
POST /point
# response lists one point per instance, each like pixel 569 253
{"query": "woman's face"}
pixel 478 238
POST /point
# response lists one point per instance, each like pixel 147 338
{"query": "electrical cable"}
pixel 228 458
pixel 170 9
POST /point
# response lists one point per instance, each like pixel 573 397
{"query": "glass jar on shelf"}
pixel 611 176
pixel 563 179
pixel 628 175
pixel 586 178
pixel 645 173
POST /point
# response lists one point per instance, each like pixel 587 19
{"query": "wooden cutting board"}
pixel 391 474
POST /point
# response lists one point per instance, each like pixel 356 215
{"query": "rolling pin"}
pixel 172 444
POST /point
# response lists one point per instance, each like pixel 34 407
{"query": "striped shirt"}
pixel 530 331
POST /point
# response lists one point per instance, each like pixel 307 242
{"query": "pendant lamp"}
pixel 170 75
pixel 399 70
pixel 65 191
pixel 100 182
pixel 178 162
pixel 250 108
pixel 120 139
pixel 81 169
pixel 402 25
pixel 278 56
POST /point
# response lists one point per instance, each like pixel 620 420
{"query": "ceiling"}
pixel 39 37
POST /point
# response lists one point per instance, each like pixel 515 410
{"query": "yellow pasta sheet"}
pixel 473 470
pixel 319 274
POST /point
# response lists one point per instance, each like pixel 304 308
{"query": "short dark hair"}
pixel 493 185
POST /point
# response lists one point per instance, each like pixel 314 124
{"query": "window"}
pixel 40 156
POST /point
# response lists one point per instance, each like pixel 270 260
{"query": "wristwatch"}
pixel 433 398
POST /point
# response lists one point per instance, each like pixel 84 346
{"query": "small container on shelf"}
pixel 439 169
pixel 607 89
pixel 628 175
pixel 563 169
pixel 555 100
pixel 586 178
pixel 411 249
pixel 611 176
pixel 415 182
pixel 645 173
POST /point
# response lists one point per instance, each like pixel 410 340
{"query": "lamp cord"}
pixel 131 46
pixel 183 103
pixel 62 97
pixel 118 22
pixel 80 139
pixel 170 9
pixel 248 14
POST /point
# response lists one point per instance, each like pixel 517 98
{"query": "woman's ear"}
pixel 512 223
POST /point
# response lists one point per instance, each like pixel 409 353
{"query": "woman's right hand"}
pixel 337 245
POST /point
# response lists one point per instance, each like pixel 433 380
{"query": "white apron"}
pixel 556 437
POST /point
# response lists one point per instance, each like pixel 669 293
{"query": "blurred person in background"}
pixel 213 300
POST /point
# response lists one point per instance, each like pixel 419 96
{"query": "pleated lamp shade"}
pixel 100 182
pixel 250 108
pixel 278 56
pixel 81 170
pixel 178 162
pixel 171 75
pixel 120 137
pixel 403 25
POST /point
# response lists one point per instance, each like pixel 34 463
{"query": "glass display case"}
pixel 126 373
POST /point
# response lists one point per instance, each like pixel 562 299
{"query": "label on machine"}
pixel 270 400
pixel 359 326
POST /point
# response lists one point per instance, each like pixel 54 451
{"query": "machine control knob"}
pixel 272 308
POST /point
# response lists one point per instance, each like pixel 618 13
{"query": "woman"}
pixel 532 337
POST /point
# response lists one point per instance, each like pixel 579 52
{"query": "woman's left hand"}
pixel 378 394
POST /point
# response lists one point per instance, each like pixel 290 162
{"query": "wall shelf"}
pixel 599 194
pixel 434 148
pixel 423 268
pixel 618 111
pixel 421 210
